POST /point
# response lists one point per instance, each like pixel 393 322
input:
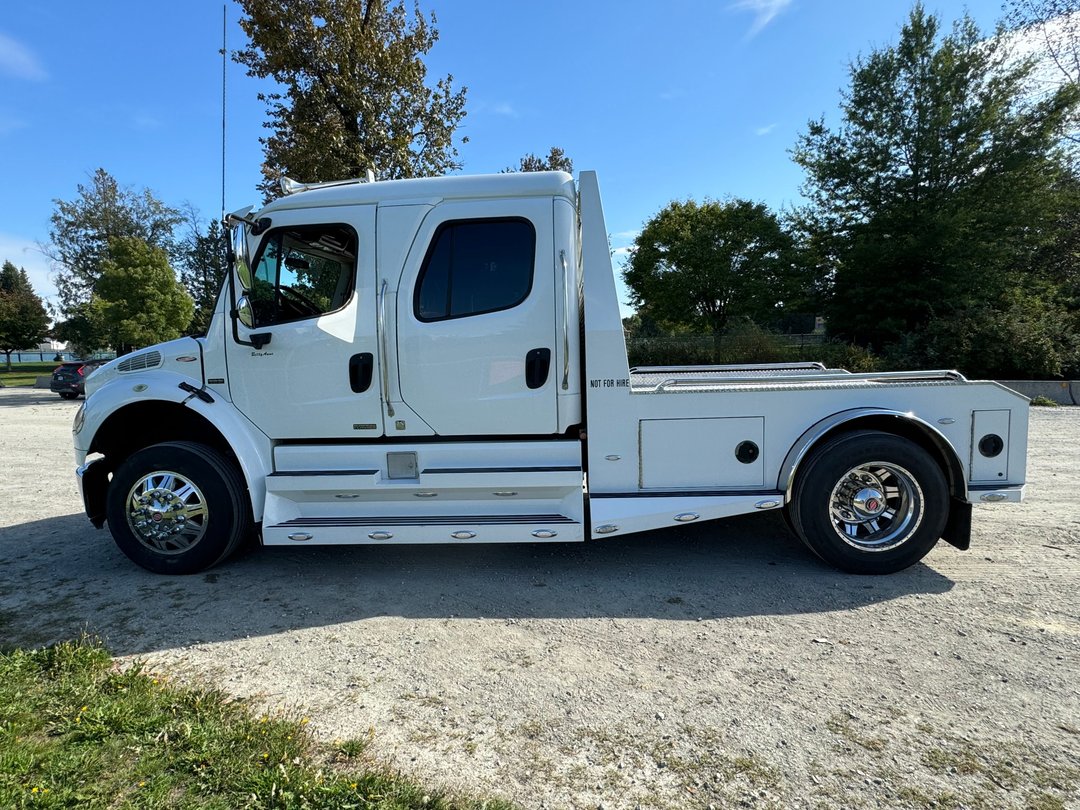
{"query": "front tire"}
pixel 177 508
pixel 869 502
pixel 68 395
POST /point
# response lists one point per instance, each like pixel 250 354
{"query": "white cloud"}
pixel 146 122
pixel 673 94
pixel 627 235
pixel 1053 46
pixel 26 253
pixel 19 61
pixel 506 109
pixel 764 11
pixel 765 130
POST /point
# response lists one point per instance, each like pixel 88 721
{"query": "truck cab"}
pixel 442 360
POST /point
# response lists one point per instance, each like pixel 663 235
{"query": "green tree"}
pixel 930 200
pixel 202 263
pixel 84 329
pixel 556 161
pixel 353 91
pixel 81 230
pixel 23 320
pixel 705 264
pixel 138 300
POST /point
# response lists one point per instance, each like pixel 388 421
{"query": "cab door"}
pixel 314 295
pixel 475 316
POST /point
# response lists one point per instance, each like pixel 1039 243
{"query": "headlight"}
pixel 80 418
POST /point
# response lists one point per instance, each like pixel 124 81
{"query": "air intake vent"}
pixel 140 362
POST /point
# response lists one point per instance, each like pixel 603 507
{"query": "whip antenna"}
pixel 224 57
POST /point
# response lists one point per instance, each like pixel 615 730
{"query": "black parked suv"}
pixel 68 378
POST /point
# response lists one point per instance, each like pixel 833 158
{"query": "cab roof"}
pixel 430 190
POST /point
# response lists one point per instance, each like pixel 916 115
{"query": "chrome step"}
pixel 424 529
pixel 423 520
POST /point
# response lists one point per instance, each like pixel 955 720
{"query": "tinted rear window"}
pixel 474 267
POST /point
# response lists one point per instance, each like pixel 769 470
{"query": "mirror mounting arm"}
pixel 257 341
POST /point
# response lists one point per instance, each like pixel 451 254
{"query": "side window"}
pixel 476 266
pixel 303 272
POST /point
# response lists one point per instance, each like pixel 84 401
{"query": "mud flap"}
pixel 958 527
pixel 93 481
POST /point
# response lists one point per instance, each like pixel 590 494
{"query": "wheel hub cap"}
pixel 167 512
pixel 868 502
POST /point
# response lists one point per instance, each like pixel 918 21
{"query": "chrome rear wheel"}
pixel 870 502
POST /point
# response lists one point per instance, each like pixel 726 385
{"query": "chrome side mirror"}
pixel 240 259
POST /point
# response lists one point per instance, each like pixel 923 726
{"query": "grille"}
pixel 140 362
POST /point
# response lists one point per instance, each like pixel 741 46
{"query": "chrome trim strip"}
pixel 295 473
pixel 795 456
pixel 826 376
pixel 462 470
pixel 690 493
pixel 996 495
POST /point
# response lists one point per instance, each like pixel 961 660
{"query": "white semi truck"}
pixel 442 361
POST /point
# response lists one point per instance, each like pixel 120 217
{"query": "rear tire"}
pixel 870 503
pixel 177 508
pixel 68 395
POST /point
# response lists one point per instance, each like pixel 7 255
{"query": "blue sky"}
pixel 690 98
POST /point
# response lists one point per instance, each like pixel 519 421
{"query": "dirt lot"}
pixel 718 665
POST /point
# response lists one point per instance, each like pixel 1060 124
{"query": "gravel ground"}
pixel 715 665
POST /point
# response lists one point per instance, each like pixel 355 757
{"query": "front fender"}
pixel 145 404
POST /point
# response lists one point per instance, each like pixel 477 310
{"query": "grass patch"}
pixel 1044 402
pixel 77 731
pixel 1007 767
pixel 840 724
pixel 23 374
pixel 962 761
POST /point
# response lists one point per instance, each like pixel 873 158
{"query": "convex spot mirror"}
pixel 245 313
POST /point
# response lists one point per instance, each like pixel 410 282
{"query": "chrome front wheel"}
pixel 167 512
pixel 178 507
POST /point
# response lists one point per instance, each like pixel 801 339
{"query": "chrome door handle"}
pixel 385 350
pixel 565 322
